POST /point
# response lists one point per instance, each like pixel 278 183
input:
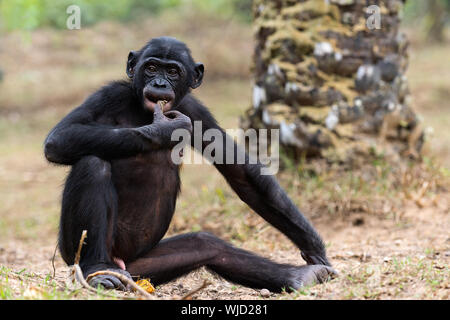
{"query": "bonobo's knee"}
pixel 211 241
pixel 205 236
pixel 93 168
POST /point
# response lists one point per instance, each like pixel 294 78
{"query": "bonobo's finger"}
pixel 158 113
pixel 181 120
pixel 173 114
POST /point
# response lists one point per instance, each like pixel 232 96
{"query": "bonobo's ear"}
pixel 198 75
pixel 133 57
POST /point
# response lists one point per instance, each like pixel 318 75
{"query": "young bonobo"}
pixel 123 186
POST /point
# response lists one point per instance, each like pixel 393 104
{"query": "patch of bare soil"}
pixel 378 257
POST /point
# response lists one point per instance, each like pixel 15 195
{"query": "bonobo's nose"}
pixel 160 83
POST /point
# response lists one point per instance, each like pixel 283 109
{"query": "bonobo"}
pixel 123 186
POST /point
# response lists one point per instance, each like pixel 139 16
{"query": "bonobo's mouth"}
pixel 150 105
pixel 150 101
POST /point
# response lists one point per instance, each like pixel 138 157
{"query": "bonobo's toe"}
pixel 309 275
pixel 109 281
pixel 324 273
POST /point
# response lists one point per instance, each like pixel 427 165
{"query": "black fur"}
pixel 123 185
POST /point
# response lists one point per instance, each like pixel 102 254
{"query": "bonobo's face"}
pixel 163 70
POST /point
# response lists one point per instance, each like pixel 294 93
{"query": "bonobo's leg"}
pixel 179 255
pixel 90 203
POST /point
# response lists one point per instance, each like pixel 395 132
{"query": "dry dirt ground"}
pixel 383 258
pixel 388 241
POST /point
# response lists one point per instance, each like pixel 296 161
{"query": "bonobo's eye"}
pixel 172 72
pixel 151 68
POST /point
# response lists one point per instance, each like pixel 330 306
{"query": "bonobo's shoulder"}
pixel 117 89
pixel 114 95
pixel 192 107
pixel 189 102
pixel 114 89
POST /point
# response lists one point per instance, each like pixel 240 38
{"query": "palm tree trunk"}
pixel 330 74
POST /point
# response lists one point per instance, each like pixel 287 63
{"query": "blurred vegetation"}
pixel 431 16
pixel 32 14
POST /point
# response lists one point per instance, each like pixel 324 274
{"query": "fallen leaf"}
pixel 146 285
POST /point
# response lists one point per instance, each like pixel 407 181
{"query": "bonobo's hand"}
pixel 106 281
pixel 159 133
pixel 308 275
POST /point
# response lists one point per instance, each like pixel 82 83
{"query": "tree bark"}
pixel 330 74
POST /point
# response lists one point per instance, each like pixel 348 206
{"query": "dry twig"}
pixel 80 245
pixel 79 274
pixel 189 295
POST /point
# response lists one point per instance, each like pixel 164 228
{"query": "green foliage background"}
pixel 32 14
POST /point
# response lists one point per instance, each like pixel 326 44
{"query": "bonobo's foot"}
pixel 312 258
pixel 310 274
pixel 107 281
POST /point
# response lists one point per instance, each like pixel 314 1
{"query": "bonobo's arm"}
pixel 262 192
pixel 79 135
